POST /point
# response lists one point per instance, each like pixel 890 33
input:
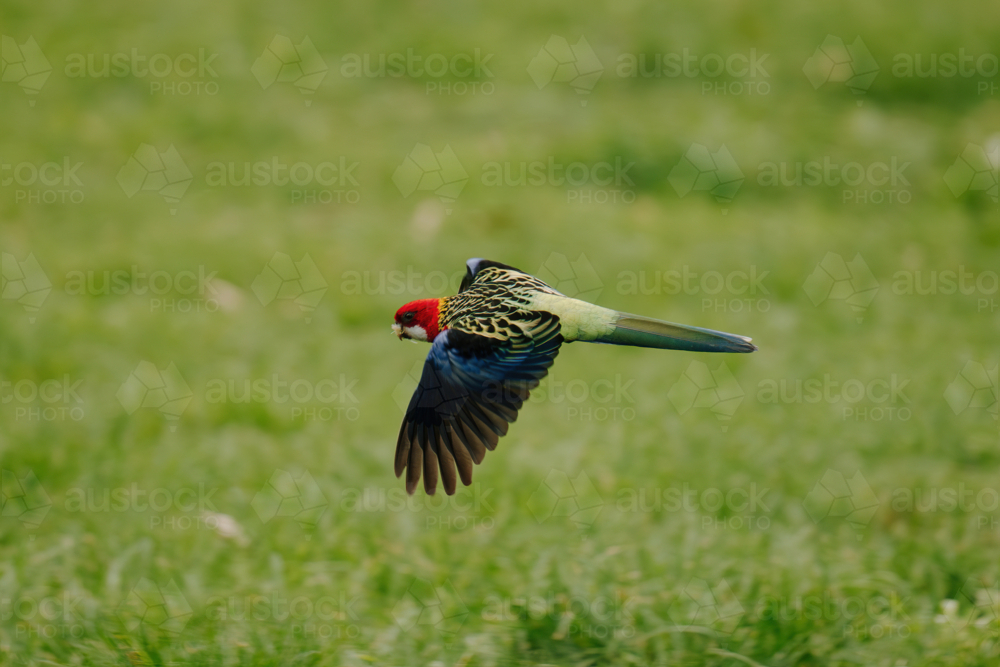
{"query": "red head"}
pixel 418 320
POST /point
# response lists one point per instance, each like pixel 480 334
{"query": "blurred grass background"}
pixel 501 575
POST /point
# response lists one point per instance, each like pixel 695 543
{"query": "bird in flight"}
pixel 491 344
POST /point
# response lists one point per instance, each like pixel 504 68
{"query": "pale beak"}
pixel 398 330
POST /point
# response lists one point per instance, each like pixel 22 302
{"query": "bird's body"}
pixel 499 292
pixel 491 345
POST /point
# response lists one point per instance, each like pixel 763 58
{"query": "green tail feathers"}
pixel 646 332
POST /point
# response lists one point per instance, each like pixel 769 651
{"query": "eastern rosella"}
pixel 491 344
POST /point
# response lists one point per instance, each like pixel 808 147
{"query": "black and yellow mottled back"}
pixel 490 294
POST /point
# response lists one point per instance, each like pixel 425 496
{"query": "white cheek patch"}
pixel 416 332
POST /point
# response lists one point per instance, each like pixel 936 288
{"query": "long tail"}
pixel 647 332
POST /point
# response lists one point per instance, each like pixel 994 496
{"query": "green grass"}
pixel 617 523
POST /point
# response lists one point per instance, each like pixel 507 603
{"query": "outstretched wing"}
pixel 471 389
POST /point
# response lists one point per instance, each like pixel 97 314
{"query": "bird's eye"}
pixel 408 316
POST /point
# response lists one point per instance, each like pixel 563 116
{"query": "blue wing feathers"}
pixel 471 389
